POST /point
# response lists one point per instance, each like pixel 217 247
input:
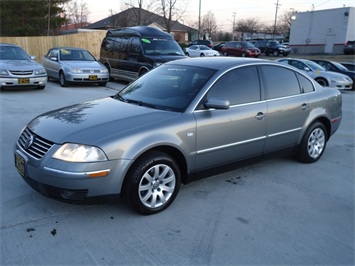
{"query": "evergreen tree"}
pixel 31 17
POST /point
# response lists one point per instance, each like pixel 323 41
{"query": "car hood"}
pixel 19 64
pixel 93 121
pixel 82 64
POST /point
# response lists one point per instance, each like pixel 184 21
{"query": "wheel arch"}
pixel 322 119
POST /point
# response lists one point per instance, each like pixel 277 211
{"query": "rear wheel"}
pixel 225 53
pixel 202 55
pixel 313 143
pixel 275 53
pixel 243 54
pixel 152 183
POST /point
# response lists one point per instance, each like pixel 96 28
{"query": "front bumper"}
pixel 342 85
pixel 94 78
pixel 70 181
pixel 23 81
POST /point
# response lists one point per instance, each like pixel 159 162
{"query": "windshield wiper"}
pixel 119 97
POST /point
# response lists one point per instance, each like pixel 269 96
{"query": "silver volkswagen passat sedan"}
pixel 74 65
pixel 183 117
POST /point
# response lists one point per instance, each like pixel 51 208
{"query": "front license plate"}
pixel 23 81
pixel 93 77
pixel 20 164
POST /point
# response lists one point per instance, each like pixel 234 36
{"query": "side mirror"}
pixel 307 69
pixel 33 57
pixel 53 58
pixel 217 103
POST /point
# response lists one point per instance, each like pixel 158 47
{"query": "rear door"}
pixel 288 97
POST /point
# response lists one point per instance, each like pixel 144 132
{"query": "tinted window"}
pixel 238 86
pixel 135 45
pixel 306 84
pixel 280 82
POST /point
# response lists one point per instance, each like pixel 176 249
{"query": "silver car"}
pixel 182 118
pixel 74 65
pixel 200 51
pixel 18 69
pixel 320 74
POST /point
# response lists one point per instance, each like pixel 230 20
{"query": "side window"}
pixel 136 46
pixel 238 86
pixel 306 84
pixel 280 82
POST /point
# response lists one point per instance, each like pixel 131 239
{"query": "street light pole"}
pixel 199 20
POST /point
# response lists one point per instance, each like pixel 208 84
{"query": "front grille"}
pixel 88 71
pixel 21 73
pixel 33 144
pixel 57 193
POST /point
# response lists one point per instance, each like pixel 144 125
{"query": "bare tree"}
pixel 171 11
pixel 250 26
pixel 285 20
pixel 77 12
pixel 209 24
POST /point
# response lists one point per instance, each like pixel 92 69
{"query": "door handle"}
pixel 304 106
pixel 260 116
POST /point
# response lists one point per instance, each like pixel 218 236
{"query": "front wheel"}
pixel 275 53
pixel 152 183
pixel 62 81
pixel 313 143
pixel 323 82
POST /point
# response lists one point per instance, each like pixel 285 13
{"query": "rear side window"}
pixel 306 84
pixel 239 86
pixel 280 82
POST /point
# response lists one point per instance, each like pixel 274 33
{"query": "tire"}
pixel 202 55
pixel 323 82
pixel 313 143
pixel 225 53
pixel 103 84
pixel 275 53
pixel 243 54
pixel 152 183
pixel 187 54
pixel 40 87
pixel 62 81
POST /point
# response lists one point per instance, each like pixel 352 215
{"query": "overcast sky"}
pixel 224 10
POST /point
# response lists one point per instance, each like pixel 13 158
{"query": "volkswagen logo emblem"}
pixel 29 142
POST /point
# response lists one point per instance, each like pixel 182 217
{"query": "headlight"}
pixel 333 78
pixel 72 152
pixel 77 70
pixel 3 72
pixel 40 71
pixel 104 70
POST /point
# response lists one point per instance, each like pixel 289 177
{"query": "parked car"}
pixel 272 48
pixel 200 51
pixel 208 43
pixel 349 47
pixel 349 65
pixel 74 65
pixel 18 69
pixel 336 67
pixel 243 49
pixel 184 117
pixel 323 77
pixel 218 47
pixel 129 53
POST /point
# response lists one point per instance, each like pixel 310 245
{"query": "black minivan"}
pixel 129 53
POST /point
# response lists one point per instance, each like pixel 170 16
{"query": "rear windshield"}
pixel 156 46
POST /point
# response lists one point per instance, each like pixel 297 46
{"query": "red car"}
pixel 243 49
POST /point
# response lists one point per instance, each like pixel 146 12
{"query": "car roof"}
pixel 67 47
pixel 219 63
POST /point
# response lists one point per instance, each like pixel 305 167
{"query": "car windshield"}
pixel 168 87
pixel 340 66
pixel 155 46
pixel 248 45
pixel 313 65
pixel 204 47
pixel 13 53
pixel 75 55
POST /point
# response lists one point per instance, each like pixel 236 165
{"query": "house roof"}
pixel 137 17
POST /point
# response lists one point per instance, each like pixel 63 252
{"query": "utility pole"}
pixel 49 16
pixel 277 8
pixel 234 14
pixel 199 20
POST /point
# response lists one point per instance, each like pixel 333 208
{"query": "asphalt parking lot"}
pixel 271 212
